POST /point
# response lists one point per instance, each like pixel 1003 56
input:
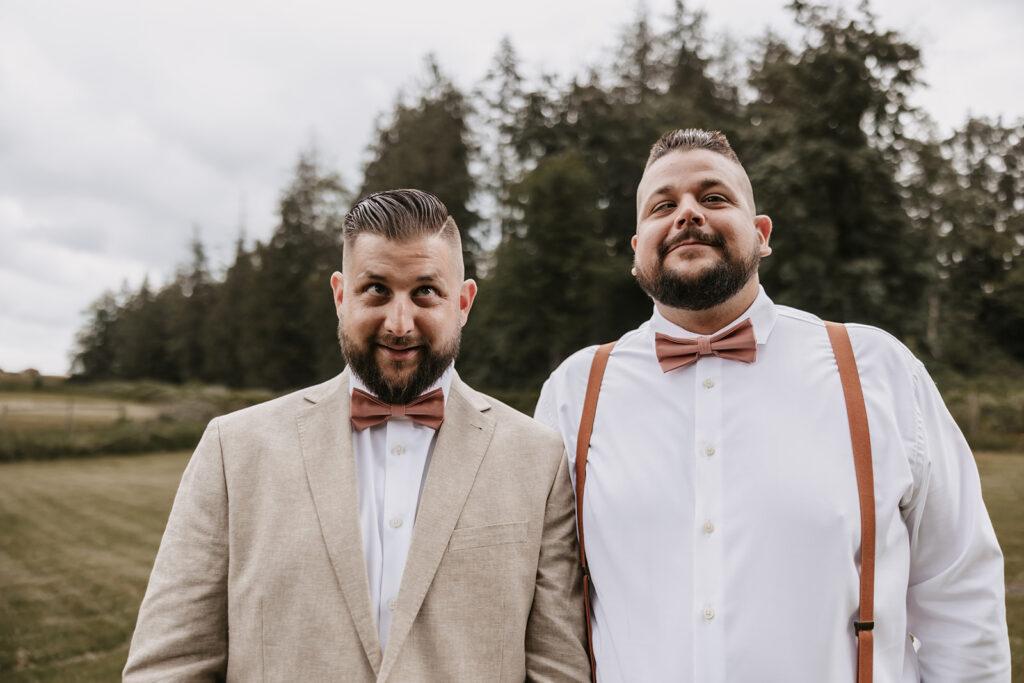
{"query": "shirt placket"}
pixel 709 634
pixel 399 509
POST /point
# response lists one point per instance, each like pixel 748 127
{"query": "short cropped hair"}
pixel 400 215
pixel 686 139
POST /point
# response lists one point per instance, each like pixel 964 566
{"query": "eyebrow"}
pixel 433 277
pixel 705 184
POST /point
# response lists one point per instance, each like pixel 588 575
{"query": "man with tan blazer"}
pixel 355 532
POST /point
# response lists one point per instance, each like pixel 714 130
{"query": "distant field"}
pixel 41 411
pixel 78 537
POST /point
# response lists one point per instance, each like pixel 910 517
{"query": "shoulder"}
pixel 513 424
pixel 869 342
pixel 576 368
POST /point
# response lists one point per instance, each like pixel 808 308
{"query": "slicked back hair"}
pixel 400 215
pixel 686 139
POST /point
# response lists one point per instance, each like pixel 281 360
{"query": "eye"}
pixel 376 289
pixel 663 206
pixel 426 290
pixel 714 199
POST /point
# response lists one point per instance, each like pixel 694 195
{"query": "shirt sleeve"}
pixel 955 599
pixel 546 411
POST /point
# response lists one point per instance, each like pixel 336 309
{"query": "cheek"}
pixel 647 246
pixel 359 321
pixel 440 323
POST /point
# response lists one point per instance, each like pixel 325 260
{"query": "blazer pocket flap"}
pixel 493 534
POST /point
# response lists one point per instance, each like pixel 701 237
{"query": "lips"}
pixel 403 352
pixel 688 239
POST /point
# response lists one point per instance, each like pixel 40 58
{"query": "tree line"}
pixel 878 218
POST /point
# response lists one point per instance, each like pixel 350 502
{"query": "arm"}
pixel 182 631
pixel 555 631
pixel 955 601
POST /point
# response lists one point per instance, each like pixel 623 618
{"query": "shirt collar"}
pixel 444 382
pixel 761 312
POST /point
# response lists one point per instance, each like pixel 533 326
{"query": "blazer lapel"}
pixel 325 436
pixel 461 443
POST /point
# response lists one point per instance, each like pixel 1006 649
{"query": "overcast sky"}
pixel 126 124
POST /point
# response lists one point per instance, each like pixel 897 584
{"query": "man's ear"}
pixel 466 296
pixel 763 226
pixel 338 287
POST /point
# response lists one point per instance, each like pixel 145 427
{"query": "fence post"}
pixel 71 417
pixel 973 412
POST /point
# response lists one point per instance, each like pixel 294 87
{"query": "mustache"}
pixel 691 235
pixel 396 342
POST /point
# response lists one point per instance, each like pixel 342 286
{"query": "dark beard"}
pixel 706 289
pixel 363 362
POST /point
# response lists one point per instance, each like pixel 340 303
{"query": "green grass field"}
pixel 77 541
pixel 78 537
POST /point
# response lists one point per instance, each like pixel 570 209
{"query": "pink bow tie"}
pixel 368 410
pixel 736 343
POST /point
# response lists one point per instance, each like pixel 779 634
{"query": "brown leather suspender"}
pixel 582 448
pixel 860 437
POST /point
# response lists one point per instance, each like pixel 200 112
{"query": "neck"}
pixel 712 319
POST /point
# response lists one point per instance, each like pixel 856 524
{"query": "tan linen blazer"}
pixel 260 574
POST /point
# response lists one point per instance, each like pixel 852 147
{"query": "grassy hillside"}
pixel 78 538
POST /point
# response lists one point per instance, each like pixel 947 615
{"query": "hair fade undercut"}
pixel 686 139
pixel 400 215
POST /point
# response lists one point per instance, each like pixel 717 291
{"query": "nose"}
pixel 690 210
pixel 398 321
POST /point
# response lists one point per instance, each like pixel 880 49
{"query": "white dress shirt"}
pixel 391 465
pixel 723 526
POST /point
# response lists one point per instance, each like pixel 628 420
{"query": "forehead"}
pixel 685 169
pixel 417 257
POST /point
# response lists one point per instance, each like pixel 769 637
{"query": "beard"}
pixel 703 290
pixel 363 361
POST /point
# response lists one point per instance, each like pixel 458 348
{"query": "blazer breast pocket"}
pixel 492 534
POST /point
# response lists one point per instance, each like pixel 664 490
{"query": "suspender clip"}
pixel 859 626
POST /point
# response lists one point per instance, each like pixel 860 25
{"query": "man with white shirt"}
pixel 721 509
pixel 390 524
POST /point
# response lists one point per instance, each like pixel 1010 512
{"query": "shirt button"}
pixel 396 522
pixel 708 383
pixel 709 527
pixel 709 613
pixel 398 450
pixel 392 604
pixel 709 450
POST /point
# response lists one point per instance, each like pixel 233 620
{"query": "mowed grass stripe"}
pixel 78 539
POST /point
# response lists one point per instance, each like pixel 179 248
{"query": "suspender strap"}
pixel 582 448
pixel 859 435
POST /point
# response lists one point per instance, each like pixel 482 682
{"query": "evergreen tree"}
pixel 187 305
pixel 427 145
pixel 844 246
pixel 294 331
pixel 95 355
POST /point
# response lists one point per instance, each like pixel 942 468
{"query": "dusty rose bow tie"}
pixel 736 343
pixel 368 410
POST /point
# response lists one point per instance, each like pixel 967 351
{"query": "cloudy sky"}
pixel 126 126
